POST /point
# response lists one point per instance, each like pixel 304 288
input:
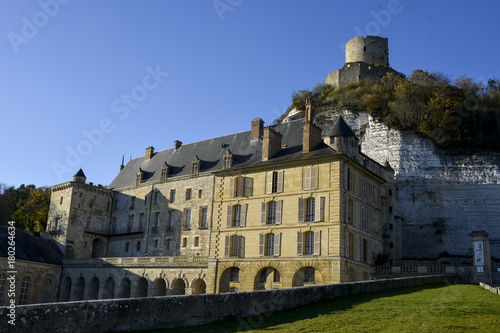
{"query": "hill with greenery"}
pixel 462 114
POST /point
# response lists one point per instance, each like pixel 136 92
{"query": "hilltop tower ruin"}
pixel 365 58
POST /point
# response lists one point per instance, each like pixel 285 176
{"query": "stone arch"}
pixel 160 287
pixel 141 288
pixel 198 286
pixel 179 286
pixel 266 277
pixel 109 288
pixel 124 291
pixel 65 289
pixel 94 288
pixel 96 248
pixel 308 274
pixel 80 289
pixel 230 275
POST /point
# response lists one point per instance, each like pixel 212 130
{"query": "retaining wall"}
pixel 495 290
pixel 172 311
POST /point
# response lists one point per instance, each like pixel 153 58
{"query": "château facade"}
pixel 272 207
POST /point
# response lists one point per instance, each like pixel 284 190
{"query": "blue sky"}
pixel 83 83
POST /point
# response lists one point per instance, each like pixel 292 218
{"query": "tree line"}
pixel 27 205
pixel 462 114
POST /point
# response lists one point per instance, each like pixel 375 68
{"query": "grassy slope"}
pixel 435 308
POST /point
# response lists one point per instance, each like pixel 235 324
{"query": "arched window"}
pixel 94 288
pixel 65 289
pixel 141 289
pixel 124 289
pixel 25 290
pixel 96 248
pixel 80 289
pixel 109 288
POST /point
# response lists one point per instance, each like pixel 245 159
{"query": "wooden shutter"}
pixel 263 213
pixel 262 242
pixel 319 214
pixel 307 179
pixel 231 187
pixel 229 215
pixel 236 245
pixel 240 186
pixel 241 254
pixel 317 242
pixel 300 240
pixel 279 211
pixel 280 184
pixel 269 182
pixel 314 177
pixel 301 209
pixel 243 215
pixel 355 213
pixel 227 245
pixel 277 244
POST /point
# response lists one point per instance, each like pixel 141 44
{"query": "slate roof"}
pixel 31 248
pixel 80 174
pixel 340 128
pixel 211 152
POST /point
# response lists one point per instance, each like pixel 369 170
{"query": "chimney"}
pixel 311 135
pixel 150 151
pixel 271 143
pixel 257 125
pixel 177 144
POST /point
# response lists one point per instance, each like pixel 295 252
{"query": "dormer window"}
pixel 138 178
pixel 164 172
pixel 228 160
pixel 195 166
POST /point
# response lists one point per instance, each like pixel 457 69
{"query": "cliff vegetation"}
pixel 462 115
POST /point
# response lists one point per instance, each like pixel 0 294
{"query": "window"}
pixel 141 221
pixel 309 243
pixel 113 224
pixel 91 203
pixel 271 212
pixel 138 178
pixel 157 198
pixel 350 245
pixel 156 242
pixel 195 169
pixel 240 186
pixel 188 194
pixel 107 206
pixel 184 241
pixel 350 180
pixel 364 217
pixel 172 196
pixel 234 246
pixel 311 209
pixel 196 241
pixel 138 246
pixel 156 225
pixel 127 245
pixel 349 211
pixel 3 283
pixel 61 202
pixel 164 172
pixel 200 193
pixel 187 218
pixel 115 205
pixel 130 223
pixel 25 290
pixel 275 181
pixel 132 202
pixel 365 250
pixel 167 243
pixel 311 178
pixel 364 187
pixel 171 220
pixel 309 275
pixel 203 218
pixel 55 224
pixel 234 275
pixel 270 244
pixel 236 215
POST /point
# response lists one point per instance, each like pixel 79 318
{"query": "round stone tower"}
pixel 372 50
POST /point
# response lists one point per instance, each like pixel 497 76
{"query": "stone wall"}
pixel 172 311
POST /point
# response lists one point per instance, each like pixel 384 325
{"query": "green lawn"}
pixel 433 308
